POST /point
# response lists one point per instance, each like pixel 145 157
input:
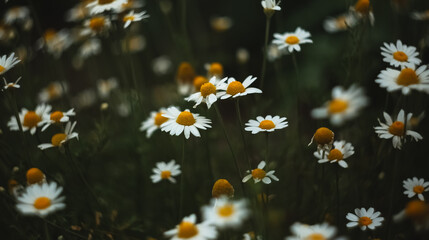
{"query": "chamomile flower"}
pixel 310 232
pixel 40 200
pixel 214 69
pixel 338 154
pixel 56 117
pixel 207 93
pixel 11 84
pixel 222 188
pixel 405 80
pixel 53 91
pixel 184 121
pixel 153 122
pixel 258 174
pixel 267 124
pixel 6 63
pixel 59 139
pixel 165 171
pixel 99 6
pixel 417 211
pixel 185 77
pixel 339 23
pixel 420 16
pixel 363 10
pixel 234 88
pixel 105 87
pixel 396 129
pixel 415 187
pixel 270 6
pixel 189 230
pixel 225 213
pixel 364 219
pixel 55 42
pixel 345 105
pixel 35 175
pixel 96 25
pixel 292 40
pixel 134 17
pixel 400 54
pixel 30 120
pixel 324 137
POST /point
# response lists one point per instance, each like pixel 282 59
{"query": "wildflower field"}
pixel 200 120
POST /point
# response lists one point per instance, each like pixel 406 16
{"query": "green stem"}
pixel 240 121
pixel 47 235
pixel 295 64
pixel 182 181
pixel 65 229
pixel 337 185
pixel 264 60
pixel 267 148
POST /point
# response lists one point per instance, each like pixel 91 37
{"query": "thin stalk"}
pixel 337 186
pixel 182 180
pixel 264 60
pixel 46 229
pixel 65 229
pixel 267 147
pixel 295 64
pixel 237 107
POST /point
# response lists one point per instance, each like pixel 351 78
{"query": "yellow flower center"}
pixel 53 91
pixel 97 23
pixel 340 22
pixel 292 40
pixel 56 116
pixel 222 187
pixel 362 6
pixel 407 77
pixel 207 89
pixel 42 203
pixel 31 119
pixel 186 73
pixel 103 2
pixel 159 119
pixel 418 189
pixel 185 118
pixel 216 69
pixel 335 154
pixel 258 173
pixel 397 128
pixel 187 230
pixel 58 138
pixel 323 136
pixel 365 221
pixel 416 209
pixel 234 88
pixel 400 56
pixel 165 174
pixel 128 18
pixel 199 81
pixel 49 34
pixel 267 124
pixel 2 68
pixel 337 106
pixel 34 175
pixel 315 236
pixel 226 210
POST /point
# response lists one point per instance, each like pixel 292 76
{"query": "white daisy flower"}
pixel 339 23
pixel 16 14
pixel 134 17
pixel 40 200
pixel 90 47
pixel 153 122
pixel 396 129
pixel 400 55
pixel 309 232
pixel 185 121
pixel 338 154
pixel 417 211
pixel 274 53
pixel 77 13
pixel 30 120
pixel 6 63
pixel 105 87
pixel 415 186
pixel 226 213
pixel 267 124
pixel 362 9
pixel 292 40
pixel 364 219
pixel 214 69
pixel 207 92
pixel 52 92
pixel 56 117
pixel 424 15
pixel 99 6
pixel 258 174
pixel 405 80
pixel 271 5
pixel 35 175
pixel 187 229
pixel 11 84
pixel 345 105
pixel 96 25
pixel 165 171
pixel 235 88
pixel 55 42
pixel 59 139
pixel 251 236
pixel 324 137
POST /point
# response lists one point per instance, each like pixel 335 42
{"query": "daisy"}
pixel 207 93
pixel 396 129
pixel 362 9
pixel 134 17
pixel 364 219
pixel 40 200
pixel 235 88
pixel 417 211
pixel 56 117
pixel 185 121
pixel 165 171
pixel 267 124
pixel 339 23
pixel 185 77
pixel 96 25
pixel 55 42
pixel 324 137
pixel 105 87
pixel 99 6
pixel 270 6
pixel 35 175
pixel 309 232
pixel 90 47
pixel 225 213
pixel 258 174
pixel 222 188
pixel 345 105
pixel 187 229
pixel 52 92
pixel 251 236
pixel 404 80
pixel 154 122
pixel 341 151
pixel 11 84
pixel 292 40
pixel 30 120
pixel 400 55
pixel 6 63
pixel 424 15
pixel 214 70
pixel 415 186
pixel 59 139
pixel 16 14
